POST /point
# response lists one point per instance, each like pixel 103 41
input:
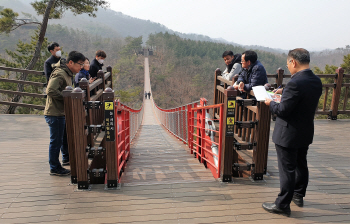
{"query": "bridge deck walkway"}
pixel 163 183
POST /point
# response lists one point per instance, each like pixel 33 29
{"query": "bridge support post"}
pixel 228 154
pixel 79 121
pixel 111 142
pixel 68 110
pixel 260 152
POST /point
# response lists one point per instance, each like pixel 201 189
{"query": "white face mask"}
pixel 58 54
pixel 100 61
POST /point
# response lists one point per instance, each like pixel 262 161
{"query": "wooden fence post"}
pixel 69 111
pixel 262 130
pixel 336 93
pixel 100 74
pixel 84 85
pixel 216 94
pixel 279 77
pixel 79 121
pixel 111 138
pixel 228 154
pixel 109 69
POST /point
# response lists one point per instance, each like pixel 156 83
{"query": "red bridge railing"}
pixel 193 125
pixel 128 122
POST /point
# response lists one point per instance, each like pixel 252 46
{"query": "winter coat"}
pixel 59 79
pixel 255 75
pixel 95 66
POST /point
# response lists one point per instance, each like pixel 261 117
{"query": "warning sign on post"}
pixel 109 105
pixel 231 103
pixel 230 121
pixel 109 121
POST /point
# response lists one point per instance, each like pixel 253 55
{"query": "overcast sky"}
pixel 285 24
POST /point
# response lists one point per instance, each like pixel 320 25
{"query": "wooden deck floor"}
pixel 165 191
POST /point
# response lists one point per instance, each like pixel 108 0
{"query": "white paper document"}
pixel 260 93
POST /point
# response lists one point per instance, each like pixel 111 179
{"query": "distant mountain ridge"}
pixel 110 24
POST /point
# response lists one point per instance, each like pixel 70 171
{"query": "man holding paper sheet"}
pixel 294 131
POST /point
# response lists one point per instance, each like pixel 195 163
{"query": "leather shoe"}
pixel 272 207
pixel 298 200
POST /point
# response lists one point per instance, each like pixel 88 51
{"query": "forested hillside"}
pixel 182 70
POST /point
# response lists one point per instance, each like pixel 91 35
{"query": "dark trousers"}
pixel 58 141
pixel 294 174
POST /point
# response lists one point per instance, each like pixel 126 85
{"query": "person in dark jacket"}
pixel 252 74
pixel 97 63
pixel 294 131
pixel 83 73
pixel 55 50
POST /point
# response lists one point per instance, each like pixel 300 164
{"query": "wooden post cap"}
pixel 67 91
pixel 77 90
pixel 108 94
pixel 340 70
pixel 231 92
pixel 78 93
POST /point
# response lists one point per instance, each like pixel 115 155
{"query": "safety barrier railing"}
pixel 334 97
pixel 193 125
pixel 246 132
pixel 99 132
pixel 128 123
pixel 206 136
pixel 22 90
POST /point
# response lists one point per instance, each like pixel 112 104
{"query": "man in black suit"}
pixel 294 131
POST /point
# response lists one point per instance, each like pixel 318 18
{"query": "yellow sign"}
pixel 230 121
pixel 231 104
pixel 108 105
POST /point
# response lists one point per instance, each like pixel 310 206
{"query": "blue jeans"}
pixel 58 141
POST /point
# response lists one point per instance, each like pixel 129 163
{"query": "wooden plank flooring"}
pixel 165 191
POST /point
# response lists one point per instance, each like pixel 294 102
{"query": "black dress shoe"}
pixel 298 200
pixel 272 207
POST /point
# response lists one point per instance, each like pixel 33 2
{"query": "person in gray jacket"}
pixel 233 65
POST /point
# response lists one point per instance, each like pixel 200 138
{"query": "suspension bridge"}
pixel 157 178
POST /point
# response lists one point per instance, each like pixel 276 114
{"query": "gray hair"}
pixel 300 55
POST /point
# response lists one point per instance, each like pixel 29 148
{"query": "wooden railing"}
pixel 84 110
pixel 246 132
pixel 339 94
pixel 21 82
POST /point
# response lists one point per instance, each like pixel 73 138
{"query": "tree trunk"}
pixel 20 87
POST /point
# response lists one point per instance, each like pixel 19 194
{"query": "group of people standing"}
pixel 148 94
pixel 60 73
pixel 294 127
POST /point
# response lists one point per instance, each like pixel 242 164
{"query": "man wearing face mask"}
pixel 97 63
pixel 55 50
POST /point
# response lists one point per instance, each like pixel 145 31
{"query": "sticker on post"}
pixel 230 121
pixel 231 104
pixel 108 105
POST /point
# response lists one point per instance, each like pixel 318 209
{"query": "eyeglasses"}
pixel 289 62
pixel 81 65
pixel 243 61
